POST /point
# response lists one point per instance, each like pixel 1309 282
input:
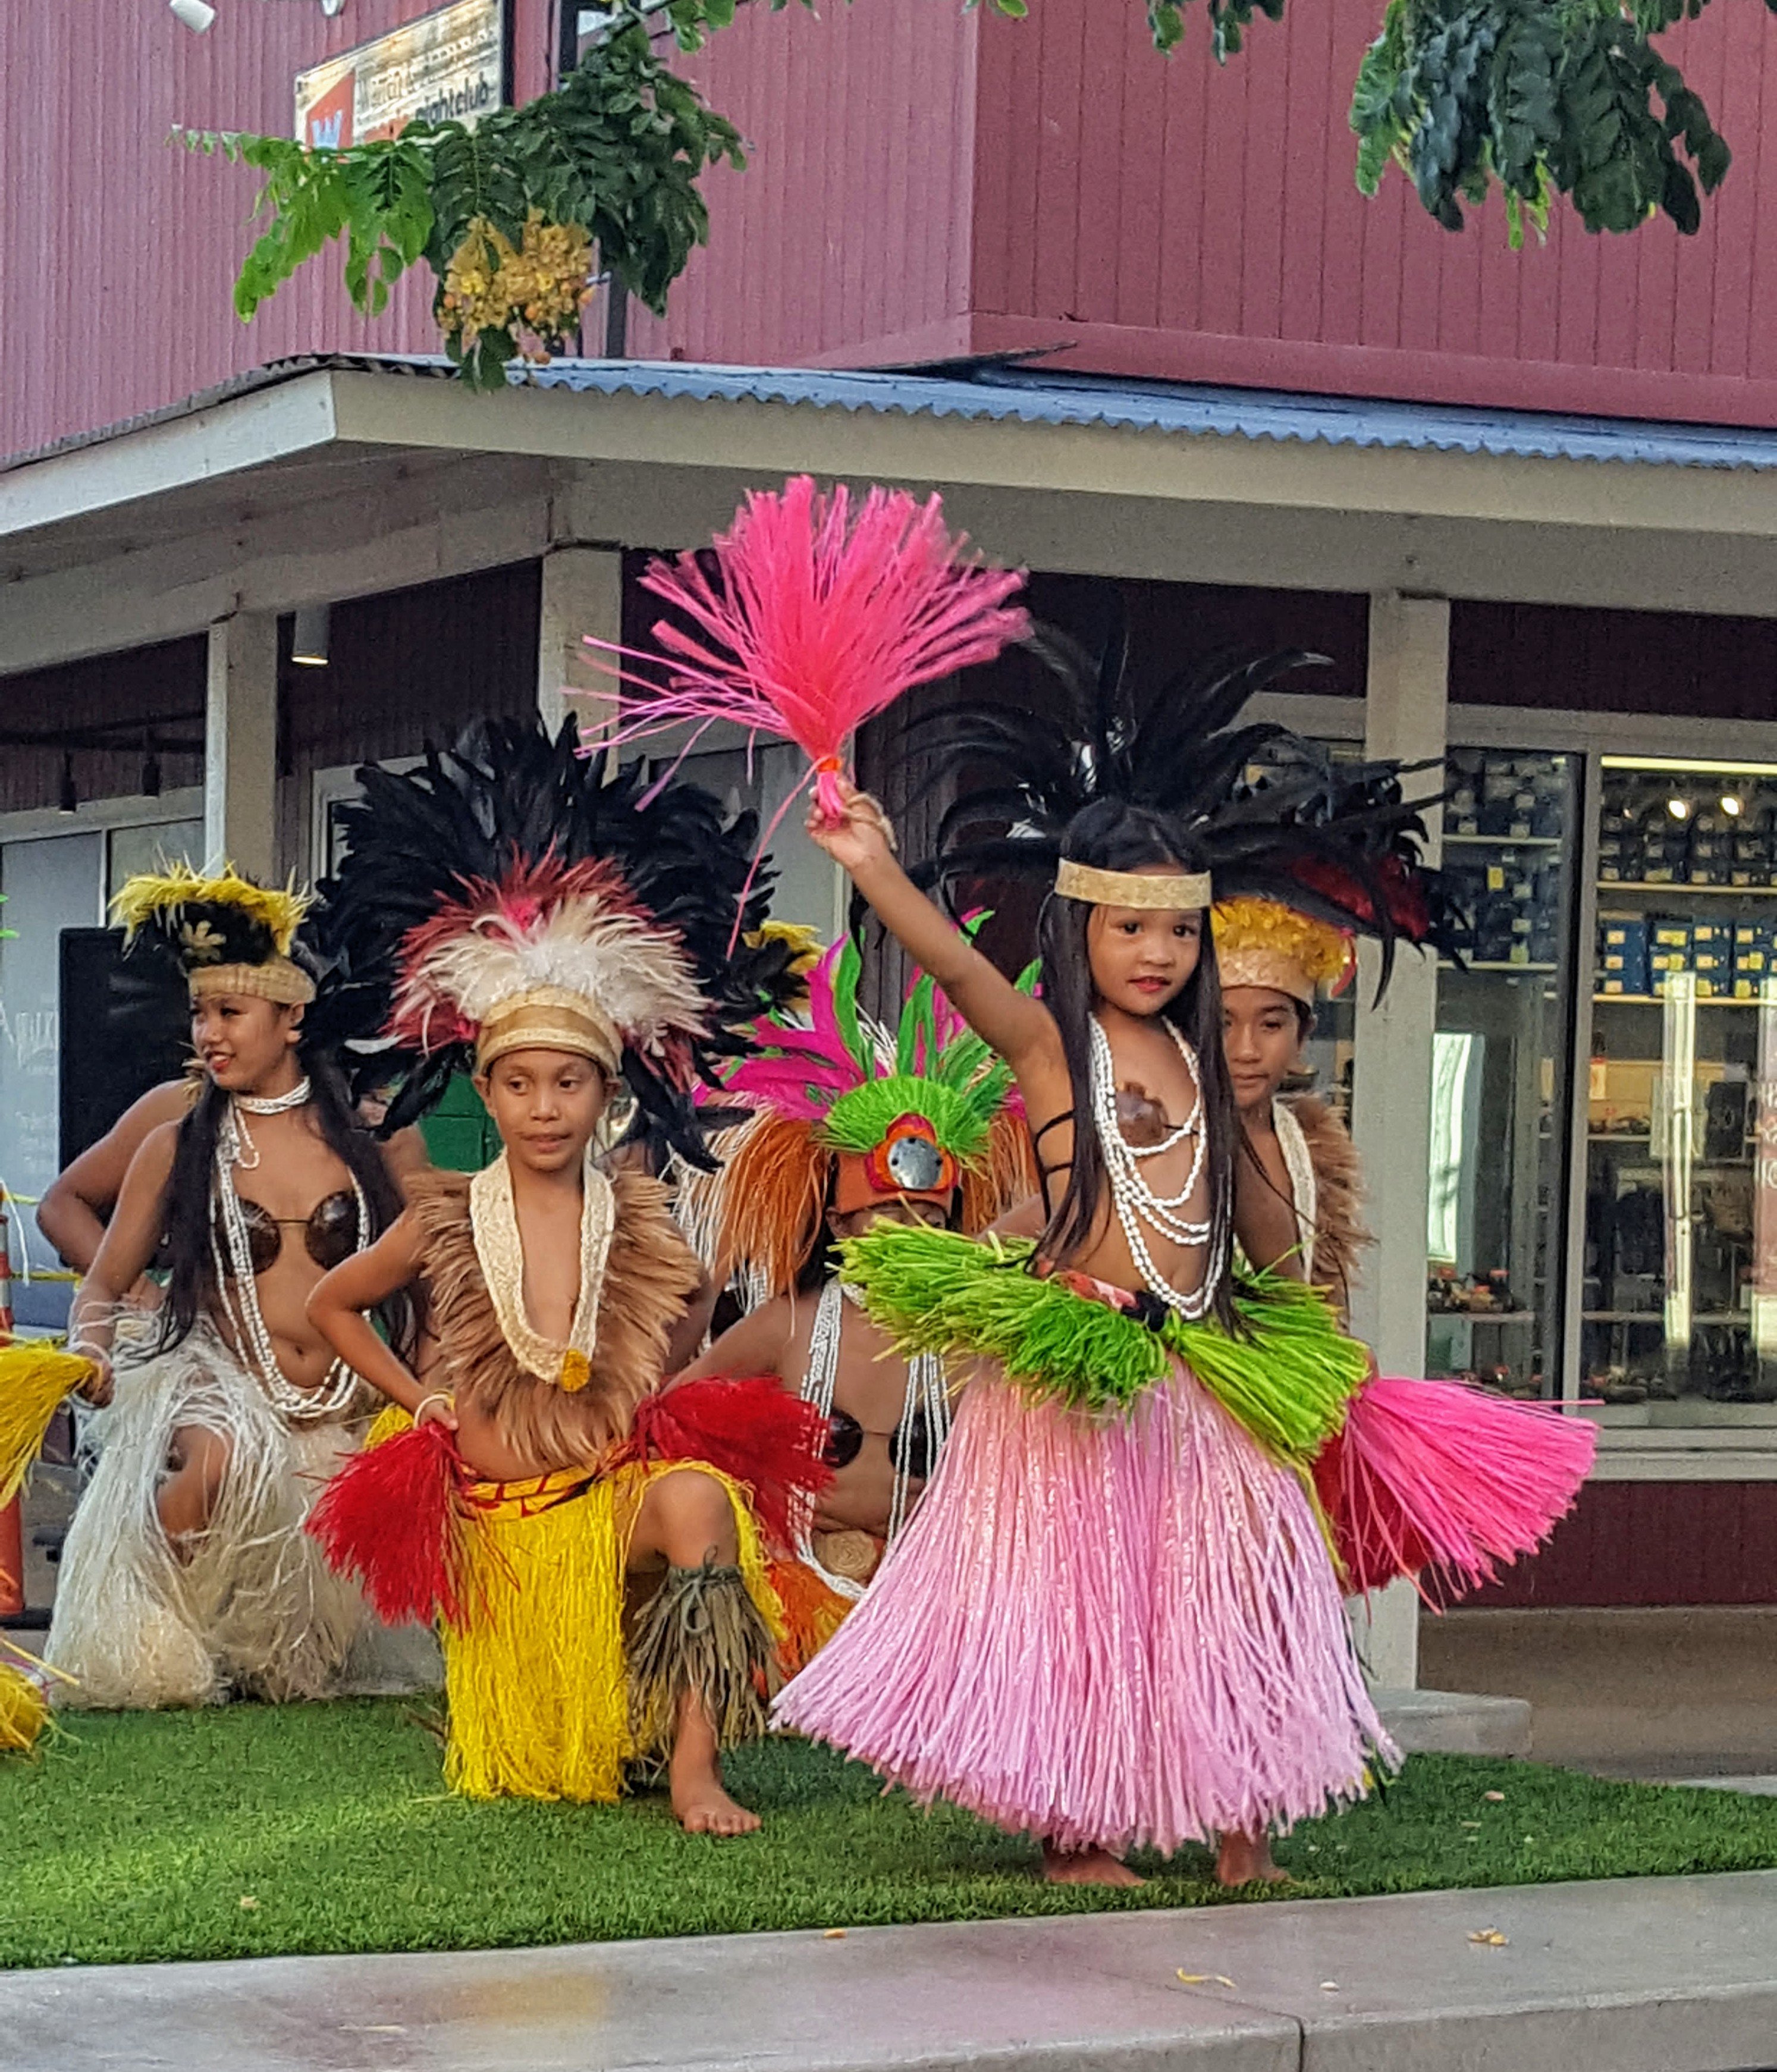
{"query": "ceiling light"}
pixel 1734 807
pixel 1679 808
pixel 195 15
pixel 308 643
pixel 70 800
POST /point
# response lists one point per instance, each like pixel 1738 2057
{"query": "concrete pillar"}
pixel 1404 716
pixel 582 593
pixel 241 745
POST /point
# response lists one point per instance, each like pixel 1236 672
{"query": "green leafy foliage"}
pixel 617 150
pixel 1544 99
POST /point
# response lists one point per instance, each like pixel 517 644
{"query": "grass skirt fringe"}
pixel 251 1607
pixel 1287 1379
pixel 538 1678
pixel 1111 1633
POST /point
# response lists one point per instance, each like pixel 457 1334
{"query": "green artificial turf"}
pixel 254 1830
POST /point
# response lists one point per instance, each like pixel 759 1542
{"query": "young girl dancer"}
pixel 186 1573
pixel 1114 1621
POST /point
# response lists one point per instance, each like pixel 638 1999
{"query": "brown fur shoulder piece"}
pixel 1340 1236
pixel 650 1276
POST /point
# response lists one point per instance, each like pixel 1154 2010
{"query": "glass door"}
pixel 1680 1293
pixel 1500 1073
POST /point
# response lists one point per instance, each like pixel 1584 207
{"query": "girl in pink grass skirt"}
pixel 1114 1621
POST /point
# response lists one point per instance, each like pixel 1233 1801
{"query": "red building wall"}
pixel 1165 217
pixel 118 253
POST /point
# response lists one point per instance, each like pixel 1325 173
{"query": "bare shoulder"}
pixel 154 1155
pixel 405 1154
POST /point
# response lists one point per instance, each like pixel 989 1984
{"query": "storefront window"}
pixel 1499 1077
pixel 1680 1295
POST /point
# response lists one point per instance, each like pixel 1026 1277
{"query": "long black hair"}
pixel 192 1290
pixel 1113 835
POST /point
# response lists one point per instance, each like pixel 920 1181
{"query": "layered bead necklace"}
pixel 1139 1209
pixel 236 1286
pixel 925 1391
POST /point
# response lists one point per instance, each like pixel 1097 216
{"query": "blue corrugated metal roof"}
pixel 1034 395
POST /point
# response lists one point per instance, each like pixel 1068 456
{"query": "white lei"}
pixel 493 1222
pixel 1138 1208
pixel 1300 1166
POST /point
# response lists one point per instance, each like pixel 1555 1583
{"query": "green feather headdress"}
pixel 835 1083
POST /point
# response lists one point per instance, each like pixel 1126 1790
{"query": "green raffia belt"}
pixel 1286 1377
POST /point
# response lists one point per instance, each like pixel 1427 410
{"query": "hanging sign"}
pixel 446 67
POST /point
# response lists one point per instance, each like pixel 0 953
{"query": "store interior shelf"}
pixel 1711 1317
pixel 1502 841
pixel 1659 999
pixel 1492 964
pixel 1485 1316
pixel 1608 884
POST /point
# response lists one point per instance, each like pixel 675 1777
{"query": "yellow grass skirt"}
pixel 538 1684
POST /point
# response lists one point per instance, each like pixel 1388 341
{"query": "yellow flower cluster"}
pixel 1321 952
pixel 539 286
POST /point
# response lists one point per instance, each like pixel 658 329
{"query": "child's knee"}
pixel 696 1518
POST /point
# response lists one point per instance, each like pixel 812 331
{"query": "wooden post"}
pixel 1405 715
pixel 582 593
pixel 241 746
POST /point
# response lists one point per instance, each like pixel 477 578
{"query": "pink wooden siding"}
pixel 1165 217
pixel 852 220
pixel 119 251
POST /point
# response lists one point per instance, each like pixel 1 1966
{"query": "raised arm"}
pixel 74 1211
pixel 337 1307
pixel 1020 1029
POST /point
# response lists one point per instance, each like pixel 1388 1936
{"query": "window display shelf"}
pixel 1493 964
pixel 1502 841
pixel 1675 890
pixel 1680 1137
pixel 1659 999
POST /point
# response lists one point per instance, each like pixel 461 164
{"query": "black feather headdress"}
pixel 507 798
pixel 1270 814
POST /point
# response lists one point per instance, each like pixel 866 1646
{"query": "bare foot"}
pixel 703 1808
pixel 1085 1867
pixel 694 1779
pixel 1246 1860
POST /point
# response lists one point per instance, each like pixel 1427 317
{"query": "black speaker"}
pixel 108 1060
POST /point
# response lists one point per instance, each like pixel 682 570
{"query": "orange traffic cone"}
pixel 12 1535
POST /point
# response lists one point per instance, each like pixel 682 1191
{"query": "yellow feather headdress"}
pixel 229 935
pixel 1261 942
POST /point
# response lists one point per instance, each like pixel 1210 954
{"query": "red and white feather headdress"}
pixel 553 957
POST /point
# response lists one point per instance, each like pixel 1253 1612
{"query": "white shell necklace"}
pixel 1138 1207
pixel 237 1287
pixel 925 1390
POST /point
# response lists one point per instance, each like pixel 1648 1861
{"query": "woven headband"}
pixel 1128 888
pixel 278 979
pixel 549 1017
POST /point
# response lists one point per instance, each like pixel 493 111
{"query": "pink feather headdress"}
pixel 820 613
pixel 553 957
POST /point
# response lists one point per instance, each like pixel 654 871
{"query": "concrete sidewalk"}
pixel 1671 1975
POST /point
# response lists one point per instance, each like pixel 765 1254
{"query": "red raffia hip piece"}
pixel 817 614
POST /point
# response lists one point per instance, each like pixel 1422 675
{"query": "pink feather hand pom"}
pixel 821 611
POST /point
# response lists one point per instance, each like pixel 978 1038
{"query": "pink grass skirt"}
pixel 1112 1633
